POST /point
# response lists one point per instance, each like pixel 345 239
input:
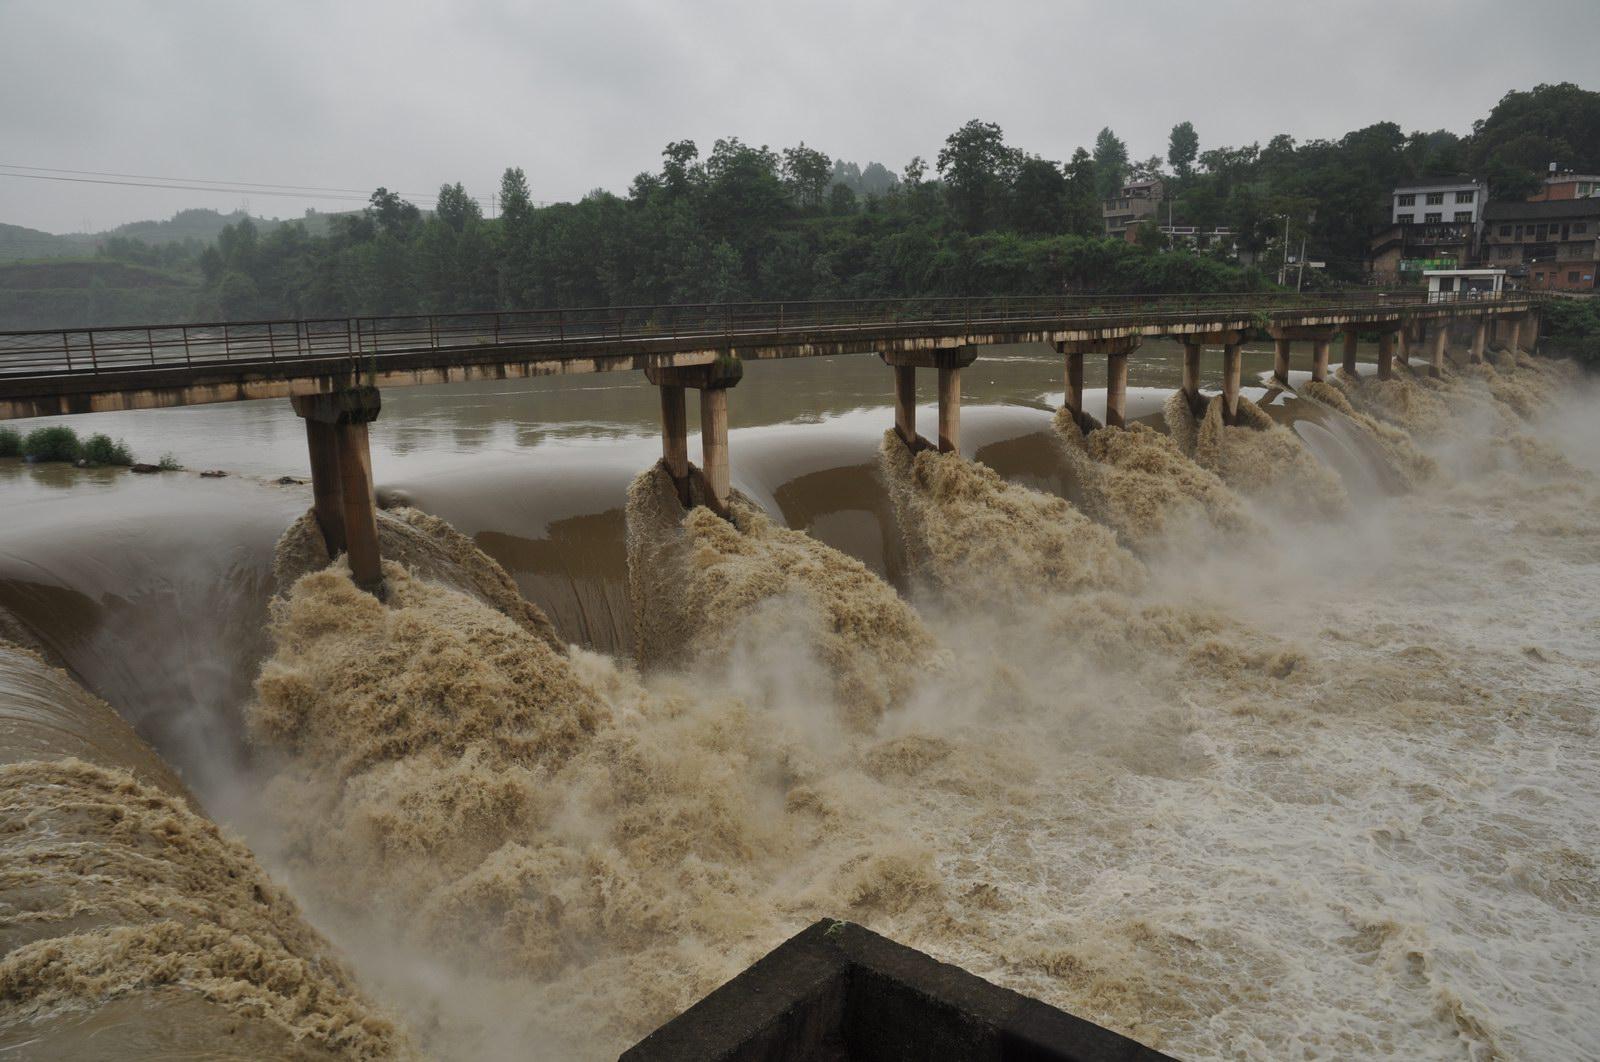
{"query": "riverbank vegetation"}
pixel 740 222
pixel 60 443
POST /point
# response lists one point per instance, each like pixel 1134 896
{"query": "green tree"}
pixel 1110 163
pixel 971 164
pixel 806 173
pixel 1183 147
pixel 456 208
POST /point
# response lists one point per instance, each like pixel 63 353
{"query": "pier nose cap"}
pixel 350 405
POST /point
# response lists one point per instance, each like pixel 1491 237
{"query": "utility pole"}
pixel 1299 281
pixel 1283 270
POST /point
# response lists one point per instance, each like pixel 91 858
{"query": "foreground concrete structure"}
pixel 836 991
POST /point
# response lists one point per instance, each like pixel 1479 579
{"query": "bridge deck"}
pixel 87 370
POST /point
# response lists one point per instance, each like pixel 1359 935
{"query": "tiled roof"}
pixel 1552 208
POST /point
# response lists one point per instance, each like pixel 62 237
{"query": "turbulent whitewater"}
pixel 1318 780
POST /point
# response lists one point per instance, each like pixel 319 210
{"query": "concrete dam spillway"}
pixel 1250 732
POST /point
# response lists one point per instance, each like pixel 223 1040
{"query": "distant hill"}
pixel 63 292
pixel 17 242
pixel 200 226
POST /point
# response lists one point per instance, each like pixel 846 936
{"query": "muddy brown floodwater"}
pixel 1250 742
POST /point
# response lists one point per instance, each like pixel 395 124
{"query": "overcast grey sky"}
pixel 357 93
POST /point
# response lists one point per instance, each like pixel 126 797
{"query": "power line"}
pixel 189 180
pixel 241 189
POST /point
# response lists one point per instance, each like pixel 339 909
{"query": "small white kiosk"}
pixel 1461 285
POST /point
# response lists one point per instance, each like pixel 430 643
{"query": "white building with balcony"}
pixel 1448 201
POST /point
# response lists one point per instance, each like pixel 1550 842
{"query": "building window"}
pixel 1505 230
pixel 1572 277
pixel 1430 218
pixel 1465 197
pixel 1584 189
pixel 1580 227
pixel 1463 215
pixel 1406 219
pixel 1538 278
pixel 1435 198
pixel 1405 200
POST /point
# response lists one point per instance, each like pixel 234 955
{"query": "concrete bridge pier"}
pixel 1284 335
pixel 949 362
pixel 1480 340
pixel 1441 344
pixel 1350 340
pixel 712 380
pixel 345 506
pixel 1116 349
pixel 1386 353
pixel 1232 377
pixel 1281 350
pixel 1193 345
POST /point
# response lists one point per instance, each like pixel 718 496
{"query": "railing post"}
pixel 272 342
pixel 150 344
pixel 227 349
pixel 66 348
pixel 94 359
pixel 187 357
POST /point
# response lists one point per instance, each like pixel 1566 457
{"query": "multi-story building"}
pixel 1137 201
pixel 1434 224
pixel 1549 243
pixel 1451 200
pixel 1567 186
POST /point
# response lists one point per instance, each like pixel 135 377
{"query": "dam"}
pixel 1231 743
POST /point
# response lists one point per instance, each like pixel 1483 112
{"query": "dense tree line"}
pixel 985 217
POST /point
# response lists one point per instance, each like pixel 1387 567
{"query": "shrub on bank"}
pixel 100 450
pixel 58 443
pixel 1572 327
pixel 10 443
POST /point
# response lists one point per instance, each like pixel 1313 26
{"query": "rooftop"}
pixel 1550 208
pixel 1438 182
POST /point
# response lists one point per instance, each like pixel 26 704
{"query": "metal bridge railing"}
pixel 74 351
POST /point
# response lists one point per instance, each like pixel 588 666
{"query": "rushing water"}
pixel 1295 761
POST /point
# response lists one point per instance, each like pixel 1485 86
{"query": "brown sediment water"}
pixel 130 919
pixel 428 548
pixel 1260 458
pixel 708 590
pixel 1400 451
pixel 1137 481
pixel 1326 793
pixel 970 533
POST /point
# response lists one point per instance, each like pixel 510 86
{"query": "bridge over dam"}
pixel 334 370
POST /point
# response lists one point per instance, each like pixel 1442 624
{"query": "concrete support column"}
pixel 905 403
pixel 949 409
pixel 675 437
pixel 949 361
pixel 360 507
pixel 1441 340
pixel 1073 398
pixel 1514 327
pixel 322 442
pixel 712 379
pixel 714 445
pixel 1280 361
pixel 1232 377
pixel 1405 337
pixel 341 477
pixel 1350 351
pixel 1117 388
pixel 1386 355
pixel 1480 340
pixel 1191 373
pixel 1319 358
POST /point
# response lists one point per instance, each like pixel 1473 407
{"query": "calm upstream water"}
pixel 1322 784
